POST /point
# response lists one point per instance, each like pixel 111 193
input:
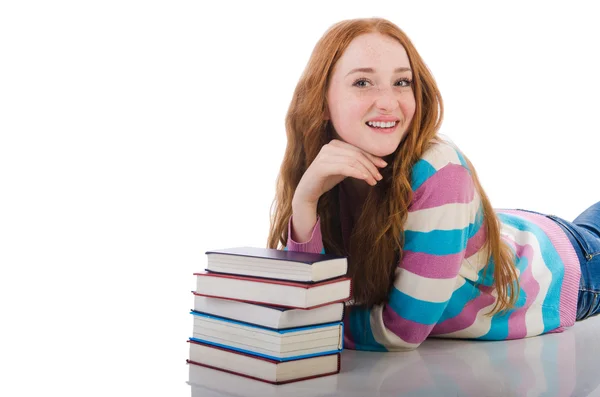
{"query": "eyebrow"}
pixel 371 70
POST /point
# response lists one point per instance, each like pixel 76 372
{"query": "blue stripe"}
pixel 499 324
pixel 416 310
pixel 476 225
pixel 437 242
pixel 459 299
pixel 521 263
pixel 360 329
pixel 422 170
pixel 552 260
pixel 265 355
pixel 498 328
pixel 488 281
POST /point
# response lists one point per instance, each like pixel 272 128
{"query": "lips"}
pixel 381 130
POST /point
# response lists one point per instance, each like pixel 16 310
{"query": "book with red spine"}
pixel 301 295
pixel 261 368
pixel 268 316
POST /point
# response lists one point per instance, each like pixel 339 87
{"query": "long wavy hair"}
pixel 377 239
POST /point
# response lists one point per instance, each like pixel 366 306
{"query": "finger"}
pixel 378 161
pixel 352 152
pixel 352 166
pixel 352 157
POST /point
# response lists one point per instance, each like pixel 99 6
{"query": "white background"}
pixel 136 135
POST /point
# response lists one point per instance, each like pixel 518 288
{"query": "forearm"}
pixel 304 218
pixel 303 240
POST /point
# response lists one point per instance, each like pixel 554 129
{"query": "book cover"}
pixel 307 258
pixel 268 316
pixel 273 292
pixel 277 264
pixel 205 382
pixel 236 338
pixel 295 284
pixel 242 369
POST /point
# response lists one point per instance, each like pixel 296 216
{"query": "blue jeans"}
pixel 584 234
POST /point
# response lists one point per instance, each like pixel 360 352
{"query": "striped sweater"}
pixel 439 289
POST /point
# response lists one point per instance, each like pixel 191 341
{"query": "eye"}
pixel 404 82
pixel 361 82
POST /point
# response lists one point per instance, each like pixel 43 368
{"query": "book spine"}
pixel 256 354
pixel 273 304
pixel 265 380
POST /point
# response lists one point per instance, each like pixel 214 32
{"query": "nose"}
pixel 387 99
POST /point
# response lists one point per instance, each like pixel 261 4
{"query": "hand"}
pixel 335 162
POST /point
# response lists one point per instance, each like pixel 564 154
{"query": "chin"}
pixel 382 151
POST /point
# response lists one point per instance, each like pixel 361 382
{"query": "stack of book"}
pixel 270 315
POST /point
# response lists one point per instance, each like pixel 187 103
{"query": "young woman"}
pixel 366 175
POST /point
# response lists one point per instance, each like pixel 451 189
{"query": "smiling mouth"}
pixel 383 127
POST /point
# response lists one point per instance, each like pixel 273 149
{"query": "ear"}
pixel 326 116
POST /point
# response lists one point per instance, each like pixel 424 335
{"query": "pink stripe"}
pixel 450 184
pixel 476 242
pixel 314 244
pixel 466 318
pixel 432 266
pixel 570 285
pixel 409 331
pixel 516 322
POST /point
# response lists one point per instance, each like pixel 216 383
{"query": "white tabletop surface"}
pixel 565 364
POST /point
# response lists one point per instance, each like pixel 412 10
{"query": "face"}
pixel 370 100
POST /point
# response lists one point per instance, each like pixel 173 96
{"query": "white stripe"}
pixel 478 260
pixel 423 288
pixel 385 337
pixel 533 318
pixel 471 266
pixel 440 155
pixel 459 283
pixel 443 217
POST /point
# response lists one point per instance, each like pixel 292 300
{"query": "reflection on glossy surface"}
pixel 565 364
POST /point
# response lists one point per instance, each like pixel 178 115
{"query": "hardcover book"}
pixel 273 292
pixel 276 264
pixel 275 317
pixel 263 369
pixel 278 345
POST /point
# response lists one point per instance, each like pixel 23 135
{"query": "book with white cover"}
pixel 273 292
pixel 205 381
pixel 279 345
pixel 276 264
pixel 268 316
pixel 259 368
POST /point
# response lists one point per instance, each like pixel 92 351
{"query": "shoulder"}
pixel 441 155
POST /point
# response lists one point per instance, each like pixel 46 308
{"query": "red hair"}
pixel 377 239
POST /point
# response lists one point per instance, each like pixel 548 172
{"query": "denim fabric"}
pixel 584 234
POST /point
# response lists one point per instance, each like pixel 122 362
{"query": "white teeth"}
pixel 382 124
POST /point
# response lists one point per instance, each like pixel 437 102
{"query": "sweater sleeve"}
pixel 440 221
pixel 314 244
